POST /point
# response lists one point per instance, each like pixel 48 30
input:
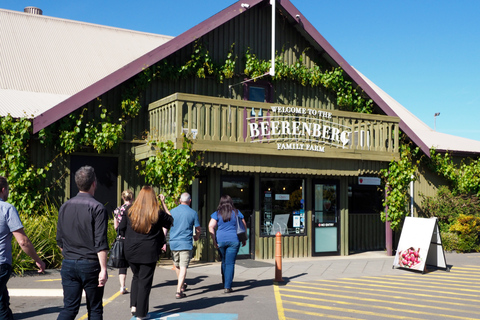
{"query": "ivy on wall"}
pixel 24 179
pixel 173 169
pixel 397 178
pixel 77 130
pixel 464 177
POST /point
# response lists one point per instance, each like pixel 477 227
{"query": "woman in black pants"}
pixel 144 227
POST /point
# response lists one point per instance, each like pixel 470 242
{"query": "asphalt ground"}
pixel 360 286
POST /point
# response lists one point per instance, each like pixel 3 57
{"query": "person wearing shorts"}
pixel 181 235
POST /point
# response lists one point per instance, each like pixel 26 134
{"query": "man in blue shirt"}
pixel 10 224
pixel 181 234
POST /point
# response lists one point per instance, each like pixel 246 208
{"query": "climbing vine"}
pixel 24 179
pixel 348 98
pixel 397 178
pixel 172 169
pixel 464 177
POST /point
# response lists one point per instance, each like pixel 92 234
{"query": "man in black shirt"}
pixel 82 236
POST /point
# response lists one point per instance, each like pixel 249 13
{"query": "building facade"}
pixel 294 157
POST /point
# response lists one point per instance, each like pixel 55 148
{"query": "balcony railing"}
pixel 237 126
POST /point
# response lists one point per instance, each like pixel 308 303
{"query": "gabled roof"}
pixel 418 132
pixel 432 139
pixel 46 60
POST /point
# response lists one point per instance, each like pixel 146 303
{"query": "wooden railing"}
pixel 226 125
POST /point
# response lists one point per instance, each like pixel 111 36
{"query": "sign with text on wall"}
pixel 298 128
pixel 420 245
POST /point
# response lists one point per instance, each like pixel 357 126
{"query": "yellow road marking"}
pixel 375 300
pixel 369 283
pixel 385 290
pixel 278 301
pixel 48 280
pixel 403 310
pixel 454 281
pixel 436 300
pixel 370 313
pixel 422 282
pixel 323 315
pixel 105 302
pixel 60 279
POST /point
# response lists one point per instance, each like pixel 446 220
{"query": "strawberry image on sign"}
pixel 409 258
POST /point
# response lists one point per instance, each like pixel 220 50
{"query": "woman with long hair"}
pixel 144 228
pixel 225 238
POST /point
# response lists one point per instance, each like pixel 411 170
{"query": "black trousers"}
pixel 141 286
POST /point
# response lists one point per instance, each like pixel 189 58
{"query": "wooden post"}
pixel 388 229
pixel 278 257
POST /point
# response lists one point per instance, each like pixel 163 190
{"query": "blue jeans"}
pixel 79 275
pixel 228 252
pixel 5 312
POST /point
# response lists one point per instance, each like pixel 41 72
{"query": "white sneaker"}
pixel 133 310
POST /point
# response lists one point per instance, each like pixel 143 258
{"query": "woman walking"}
pixel 118 213
pixel 144 227
pixel 225 239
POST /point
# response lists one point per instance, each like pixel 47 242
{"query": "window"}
pixel 282 208
pixel 364 199
pixel 260 91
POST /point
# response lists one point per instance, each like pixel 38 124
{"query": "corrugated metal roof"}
pixel 432 139
pixel 44 60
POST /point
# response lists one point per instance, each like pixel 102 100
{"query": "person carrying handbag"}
pixel 223 229
pixel 118 213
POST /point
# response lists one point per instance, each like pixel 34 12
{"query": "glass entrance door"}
pixel 325 218
pixel 240 189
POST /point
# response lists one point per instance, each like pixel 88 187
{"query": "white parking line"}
pixel 36 292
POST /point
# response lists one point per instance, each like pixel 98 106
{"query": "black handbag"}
pixel 116 257
pixel 241 232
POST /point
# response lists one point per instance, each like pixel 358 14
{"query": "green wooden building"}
pixel 292 158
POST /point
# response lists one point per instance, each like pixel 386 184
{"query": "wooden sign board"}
pixel 420 244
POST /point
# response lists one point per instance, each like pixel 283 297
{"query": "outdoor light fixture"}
pixel 435 121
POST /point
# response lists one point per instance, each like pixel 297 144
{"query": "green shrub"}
pixel 42 231
pixel 447 207
pixel 467 228
pixel 449 241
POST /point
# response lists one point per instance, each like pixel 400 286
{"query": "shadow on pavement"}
pixel 39 312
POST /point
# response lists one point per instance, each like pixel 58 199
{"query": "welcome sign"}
pixel 297 128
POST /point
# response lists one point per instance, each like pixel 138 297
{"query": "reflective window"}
pixel 282 207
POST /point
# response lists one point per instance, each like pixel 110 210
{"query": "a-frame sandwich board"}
pixel 420 245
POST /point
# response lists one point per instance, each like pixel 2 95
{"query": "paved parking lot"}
pixel 363 286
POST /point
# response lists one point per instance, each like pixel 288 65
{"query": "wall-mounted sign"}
pixel 284 197
pixel 369 181
pixel 297 128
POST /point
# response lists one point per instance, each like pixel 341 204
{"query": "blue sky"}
pixel 425 54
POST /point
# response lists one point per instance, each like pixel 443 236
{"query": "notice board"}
pixel 420 244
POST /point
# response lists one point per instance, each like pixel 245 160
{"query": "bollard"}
pixel 278 257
